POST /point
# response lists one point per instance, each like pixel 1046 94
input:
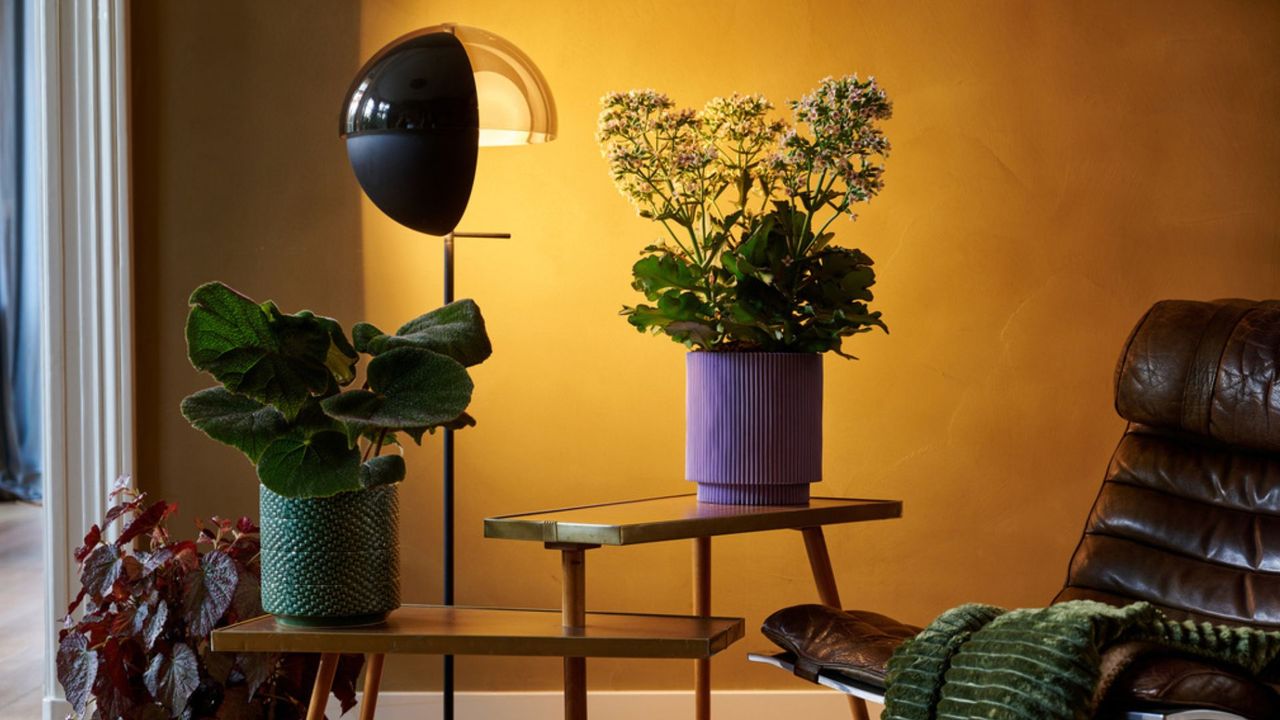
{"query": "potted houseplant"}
pixel 323 453
pixel 747 276
pixel 139 647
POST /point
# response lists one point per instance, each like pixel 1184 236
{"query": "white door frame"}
pixel 77 169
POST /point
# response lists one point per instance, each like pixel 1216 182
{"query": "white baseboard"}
pixel 55 708
pixel 640 705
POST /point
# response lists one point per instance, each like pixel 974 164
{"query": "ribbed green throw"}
pixel 980 661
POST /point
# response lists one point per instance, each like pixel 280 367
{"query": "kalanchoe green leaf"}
pixel 661 271
pixel 236 420
pixel 256 350
pixel 317 465
pixel 456 330
pixel 409 388
pixel 382 470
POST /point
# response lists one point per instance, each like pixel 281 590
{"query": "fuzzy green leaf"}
pixel 299 465
pixel 382 470
pixel 237 420
pixel 456 330
pixel 363 335
pixel 410 388
pixel 341 357
pixel 256 350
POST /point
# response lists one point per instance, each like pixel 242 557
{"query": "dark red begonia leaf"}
pixel 257 668
pixel 100 569
pixel 172 678
pixel 344 680
pixel 91 540
pixel 155 625
pixel 208 591
pixel 77 669
pixel 116 694
pixel 146 522
pixel 236 705
pixel 76 602
pixel 247 602
pixel 118 510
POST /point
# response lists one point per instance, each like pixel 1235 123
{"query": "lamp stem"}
pixel 447 509
pixel 447 475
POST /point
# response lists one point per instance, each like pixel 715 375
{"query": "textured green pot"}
pixel 331 561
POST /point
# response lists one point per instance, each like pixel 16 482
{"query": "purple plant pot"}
pixel 753 426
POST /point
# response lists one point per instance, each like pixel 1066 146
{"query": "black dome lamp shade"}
pixel 421 106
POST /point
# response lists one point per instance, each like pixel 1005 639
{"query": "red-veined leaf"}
pixel 100 570
pixel 91 540
pixel 208 592
pixel 172 678
pixel 146 522
pixel 77 669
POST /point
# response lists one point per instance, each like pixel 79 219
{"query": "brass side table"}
pixel 573 531
pixel 452 630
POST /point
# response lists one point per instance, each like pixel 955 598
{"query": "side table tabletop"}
pixel 572 531
pixel 455 630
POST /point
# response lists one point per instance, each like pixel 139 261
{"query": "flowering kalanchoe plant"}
pixel 746 202
pixel 139 647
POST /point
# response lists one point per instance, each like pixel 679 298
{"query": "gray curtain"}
pixel 19 319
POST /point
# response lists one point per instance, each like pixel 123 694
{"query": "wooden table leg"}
pixel 372 679
pixel 573 614
pixel 702 606
pixel 324 681
pixel 815 544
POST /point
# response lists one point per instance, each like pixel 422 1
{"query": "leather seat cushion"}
pixel 1147 676
pixel 856 643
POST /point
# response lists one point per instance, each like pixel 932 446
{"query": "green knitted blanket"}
pixel 980 661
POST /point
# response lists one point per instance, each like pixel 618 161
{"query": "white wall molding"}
pixel 638 705
pixel 77 79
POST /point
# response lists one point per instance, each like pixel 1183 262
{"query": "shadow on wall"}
pixel 238 176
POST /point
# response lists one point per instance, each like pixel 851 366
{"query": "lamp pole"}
pixel 447 475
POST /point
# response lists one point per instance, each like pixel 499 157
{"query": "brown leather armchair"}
pixel 1188 518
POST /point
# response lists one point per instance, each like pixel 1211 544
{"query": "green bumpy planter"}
pixel 331 561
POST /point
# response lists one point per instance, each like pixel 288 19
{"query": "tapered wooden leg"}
pixel 372 679
pixel 702 606
pixel 324 681
pixel 573 614
pixel 815 544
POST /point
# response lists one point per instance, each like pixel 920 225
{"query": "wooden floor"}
pixel 21 619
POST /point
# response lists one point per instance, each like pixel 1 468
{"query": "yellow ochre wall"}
pixel 1057 167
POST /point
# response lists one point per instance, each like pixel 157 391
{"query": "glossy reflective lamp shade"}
pixel 419 109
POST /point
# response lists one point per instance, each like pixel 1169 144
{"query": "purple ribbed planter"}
pixel 753 426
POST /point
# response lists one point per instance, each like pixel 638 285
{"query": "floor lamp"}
pixel 413 120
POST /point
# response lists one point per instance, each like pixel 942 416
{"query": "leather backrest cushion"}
pixel 1192 527
pixel 1207 368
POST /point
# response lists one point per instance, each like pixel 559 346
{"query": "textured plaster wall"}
pixel 1057 168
